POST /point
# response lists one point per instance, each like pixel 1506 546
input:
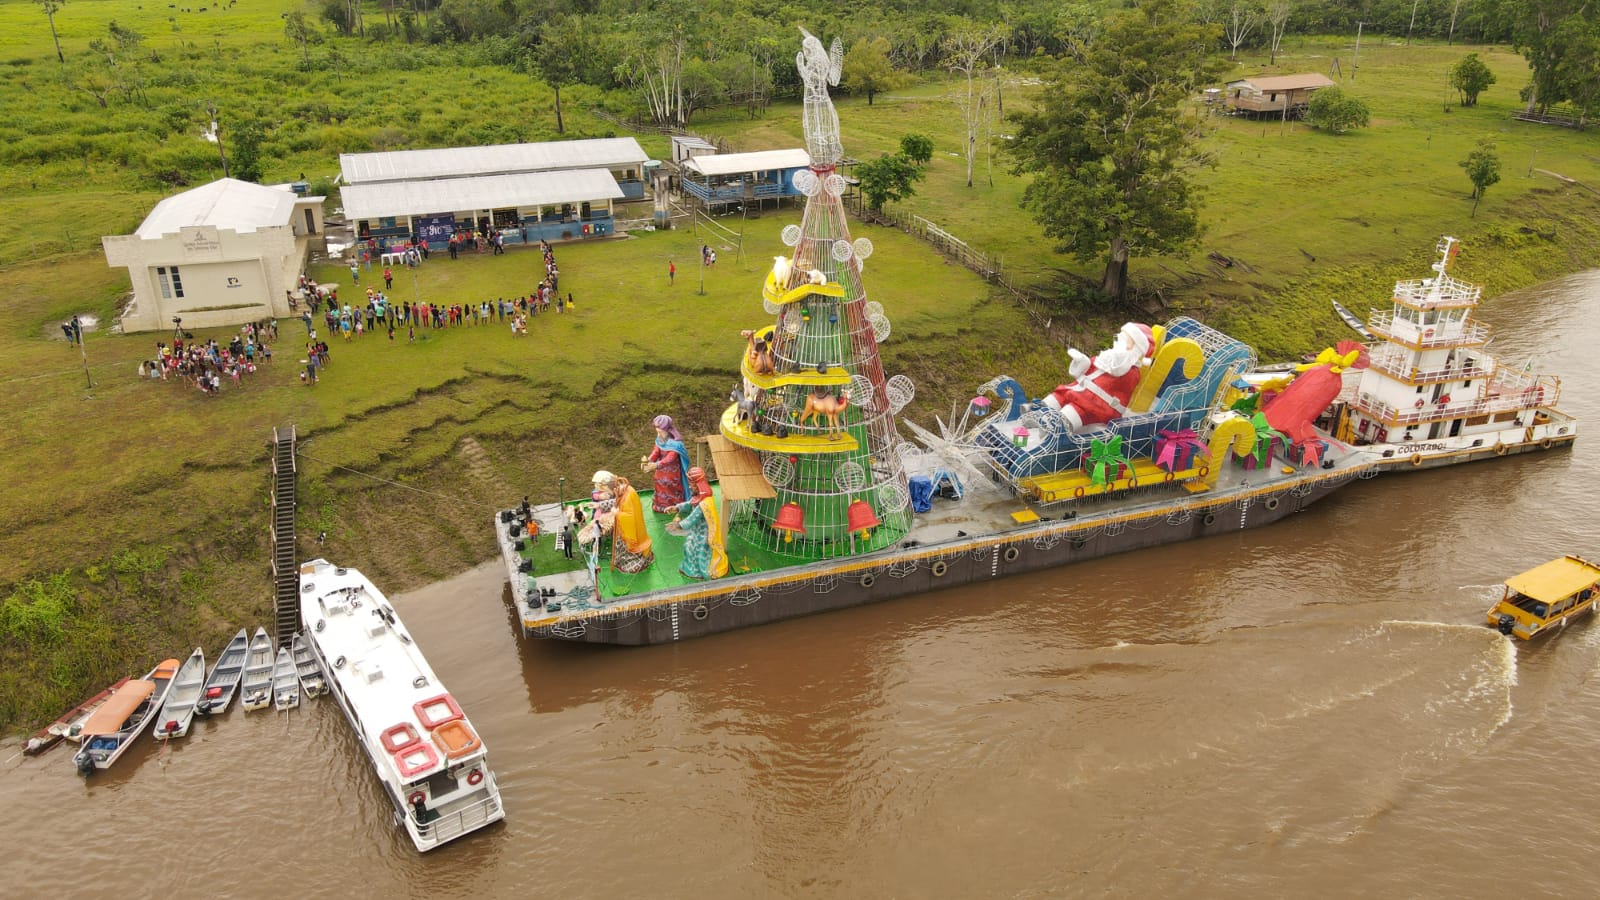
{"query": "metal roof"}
pixel 738 163
pixel 227 203
pixel 498 159
pixel 446 195
pixel 1268 83
pixel 1556 579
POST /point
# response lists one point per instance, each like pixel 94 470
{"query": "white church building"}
pixel 221 254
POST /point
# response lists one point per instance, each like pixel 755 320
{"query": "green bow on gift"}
pixel 1265 434
pixel 1246 404
pixel 1106 460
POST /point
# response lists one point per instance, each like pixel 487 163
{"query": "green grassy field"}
pixel 137 509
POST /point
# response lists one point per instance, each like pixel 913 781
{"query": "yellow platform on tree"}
pixel 740 433
pixel 1072 484
pixel 774 293
pixel 833 376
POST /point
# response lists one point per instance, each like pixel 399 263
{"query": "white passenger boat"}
pixel 431 762
pixel 255 691
pixel 178 711
pixel 285 682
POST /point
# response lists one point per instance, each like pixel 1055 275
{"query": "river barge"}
pixel 433 766
pixel 1172 433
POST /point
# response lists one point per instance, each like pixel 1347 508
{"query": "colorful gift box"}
pixel 1175 450
pixel 1310 453
pixel 1266 448
pixel 1104 463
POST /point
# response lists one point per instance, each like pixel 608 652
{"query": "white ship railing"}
pixel 1395 364
pixel 451 825
pixel 1384 325
pixel 1509 392
pixel 1436 293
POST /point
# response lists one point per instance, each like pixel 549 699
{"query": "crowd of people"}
pixel 206 366
pixel 318 306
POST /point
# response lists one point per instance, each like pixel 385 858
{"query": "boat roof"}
pixel 384 675
pixel 1555 579
pixel 118 707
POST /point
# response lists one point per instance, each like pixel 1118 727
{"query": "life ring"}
pixel 1416 459
pixel 868 580
pixel 1272 503
pixel 475 777
pixel 1419 403
pixel 417 797
pixel 1501 449
pixel 1547 443
pixel 1079 542
pixel 939 568
pixel 1012 553
pixel 321 624
pixel 338 663
pixel 1077 492
pixel 1209 519
pixel 1170 477
pixel 1203 471
pixel 700 612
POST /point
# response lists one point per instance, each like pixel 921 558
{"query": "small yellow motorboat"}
pixel 1546 596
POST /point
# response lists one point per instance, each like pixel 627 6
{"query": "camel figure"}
pixel 821 404
pixel 759 353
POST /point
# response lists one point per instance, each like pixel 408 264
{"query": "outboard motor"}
pixel 85 764
pixel 1505 624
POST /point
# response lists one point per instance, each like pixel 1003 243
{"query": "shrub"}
pixel 1331 109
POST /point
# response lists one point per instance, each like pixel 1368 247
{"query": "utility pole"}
pixel 216 134
pixel 77 330
pixel 1356 63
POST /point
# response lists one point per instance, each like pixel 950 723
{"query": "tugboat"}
pixel 1174 432
pixel 430 761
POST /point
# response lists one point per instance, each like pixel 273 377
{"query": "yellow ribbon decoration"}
pixel 1331 358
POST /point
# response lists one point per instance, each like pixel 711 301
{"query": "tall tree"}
pixel 1542 31
pixel 867 69
pixel 1111 144
pixel 1278 12
pixel 1243 17
pixel 562 44
pixel 1483 168
pixel 50 7
pixel 967 47
pixel 296 29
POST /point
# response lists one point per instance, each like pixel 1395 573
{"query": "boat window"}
pixel 1528 604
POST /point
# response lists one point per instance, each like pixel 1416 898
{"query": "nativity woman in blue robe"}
pixel 669 463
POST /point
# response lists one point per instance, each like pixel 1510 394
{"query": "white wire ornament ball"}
pixel 872 308
pixel 850 477
pixel 807 183
pixel 861 390
pixel 778 470
pixel 863 248
pixel 880 331
pixel 770 308
pixel 892 497
pixel 901 391
pixel 791 233
pixel 841 251
pixel 834 184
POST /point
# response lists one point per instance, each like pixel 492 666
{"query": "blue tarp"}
pixel 921 493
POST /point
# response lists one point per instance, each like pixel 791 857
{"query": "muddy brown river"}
pixel 1308 709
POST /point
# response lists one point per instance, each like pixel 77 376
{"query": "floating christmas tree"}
pixel 815 404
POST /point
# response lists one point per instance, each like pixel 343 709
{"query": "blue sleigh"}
pixel 1183 400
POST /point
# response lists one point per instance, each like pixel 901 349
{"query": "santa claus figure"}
pixel 1105 383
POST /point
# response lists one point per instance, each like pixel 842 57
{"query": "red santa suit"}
pixel 1105 383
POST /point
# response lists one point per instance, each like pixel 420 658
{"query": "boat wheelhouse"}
pixel 429 759
pixel 1430 385
pixel 1545 597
